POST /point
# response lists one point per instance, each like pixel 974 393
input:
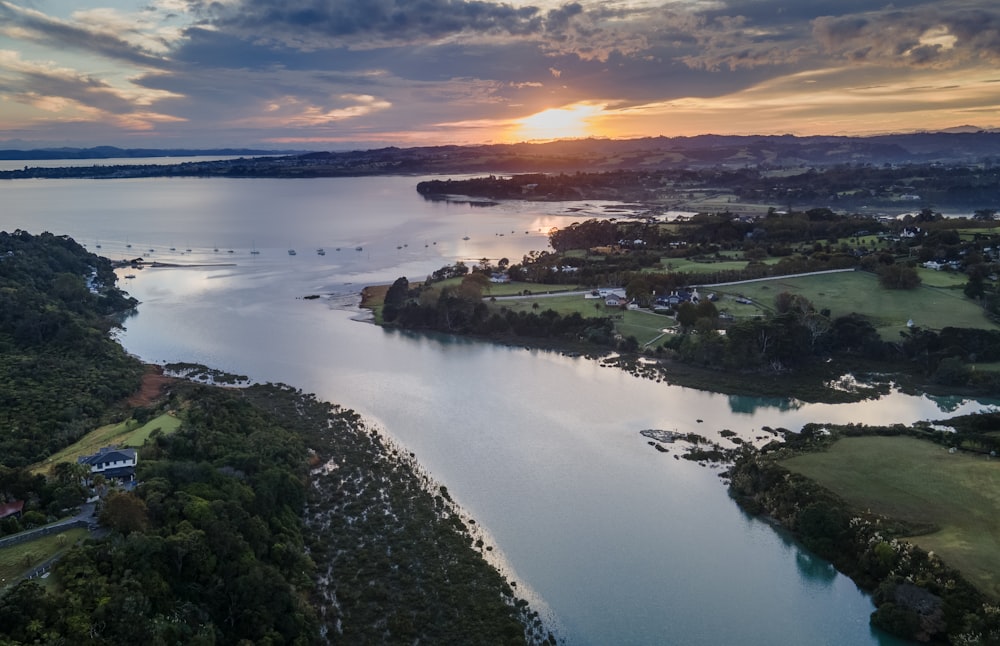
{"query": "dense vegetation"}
pixel 212 546
pixel 59 369
pixel 395 560
pixel 208 549
pixel 267 517
pixel 847 185
pixel 918 596
pixel 461 309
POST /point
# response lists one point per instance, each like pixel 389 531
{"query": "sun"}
pixel 558 123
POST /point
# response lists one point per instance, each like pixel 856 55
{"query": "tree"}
pixel 897 276
pixel 124 513
pixel 687 314
pixel 639 290
pixel 473 285
pixel 394 299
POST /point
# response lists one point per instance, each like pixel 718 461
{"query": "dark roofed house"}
pixel 112 462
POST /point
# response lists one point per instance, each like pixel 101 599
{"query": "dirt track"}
pixel 154 384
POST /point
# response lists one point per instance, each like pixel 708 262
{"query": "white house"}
pixel 112 462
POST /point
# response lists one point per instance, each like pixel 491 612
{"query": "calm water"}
pixel 620 543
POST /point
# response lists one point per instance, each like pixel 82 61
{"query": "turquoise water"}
pixel 616 542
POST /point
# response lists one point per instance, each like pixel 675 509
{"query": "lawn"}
pixel 563 305
pixel 127 433
pixel 860 292
pixel 919 481
pixel 644 326
pixel 945 279
pixel 18 559
pixel 695 267
pixel 514 288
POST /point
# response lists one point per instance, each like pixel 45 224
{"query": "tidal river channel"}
pixel 616 542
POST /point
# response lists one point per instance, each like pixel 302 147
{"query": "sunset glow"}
pixel 558 123
pixel 361 74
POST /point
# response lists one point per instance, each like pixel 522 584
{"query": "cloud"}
pixel 440 70
pixel 60 93
pixel 311 24
pixel 292 112
pixel 90 35
pixel 934 34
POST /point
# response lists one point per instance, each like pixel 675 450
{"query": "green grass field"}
pixel 860 292
pixel 18 559
pixel 919 481
pixel 944 279
pixel 127 433
pixel 514 288
pixel 563 305
pixel 644 326
pixel 691 266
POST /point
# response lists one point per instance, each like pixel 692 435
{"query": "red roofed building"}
pixel 11 509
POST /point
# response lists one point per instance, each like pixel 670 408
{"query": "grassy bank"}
pixel 921 482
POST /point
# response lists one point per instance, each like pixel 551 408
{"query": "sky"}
pixel 349 74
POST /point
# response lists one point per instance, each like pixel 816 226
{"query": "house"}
pixel 13 508
pixel 614 300
pixel 675 298
pixel 112 463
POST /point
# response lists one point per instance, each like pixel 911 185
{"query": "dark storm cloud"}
pixel 319 23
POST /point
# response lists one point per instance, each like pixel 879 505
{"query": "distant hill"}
pixel 566 156
pixel 111 152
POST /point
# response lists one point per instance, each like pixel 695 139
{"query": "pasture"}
pixel 860 292
pixel 16 560
pixel 127 433
pixel 919 481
